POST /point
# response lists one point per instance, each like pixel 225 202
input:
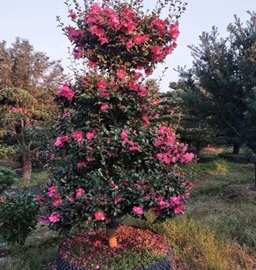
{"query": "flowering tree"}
pixel 109 160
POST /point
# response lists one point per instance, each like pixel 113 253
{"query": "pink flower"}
pixel 100 216
pixel 103 40
pixel 54 217
pixel 65 91
pixel 140 39
pixel 174 31
pixel 78 136
pixel 57 201
pixel 124 135
pixel 176 200
pixel 61 140
pixel 95 9
pixel 180 209
pixel 137 210
pixel 79 192
pixel 159 24
pixel 142 91
pixel 97 31
pixel 104 107
pixel 102 85
pixel 157 52
pixel 133 146
pixel 187 157
pixel 90 135
pixel 73 34
pixel 121 74
pixel 52 191
pixel 129 44
pixel 72 14
pixel 44 220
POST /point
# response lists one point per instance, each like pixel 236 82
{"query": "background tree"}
pixel 28 81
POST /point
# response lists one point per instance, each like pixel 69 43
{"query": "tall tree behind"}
pixel 223 69
pixel 28 80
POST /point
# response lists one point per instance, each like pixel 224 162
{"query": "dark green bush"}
pixel 7 178
pixel 18 217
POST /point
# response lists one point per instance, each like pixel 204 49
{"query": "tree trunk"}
pixel 236 149
pixel 27 168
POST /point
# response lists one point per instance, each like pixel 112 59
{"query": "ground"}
pixel 221 201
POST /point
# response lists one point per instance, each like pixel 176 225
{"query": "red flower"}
pixel 124 135
pixel 100 216
pixel 159 24
pixel 90 135
pixel 78 136
pixel 174 31
pixel 129 44
pixel 57 201
pixel 61 140
pixel 97 31
pixel 73 34
pixel 140 39
pixel 102 85
pixel 137 210
pixel 54 217
pixel 52 191
pixel 121 74
pixel 79 193
pixel 104 107
pixel 65 91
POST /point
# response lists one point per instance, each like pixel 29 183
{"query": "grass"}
pixel 231 219
pixel 198 247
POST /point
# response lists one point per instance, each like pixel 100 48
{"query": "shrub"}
pixel 7 178
pixel 18 217
pixel 110 158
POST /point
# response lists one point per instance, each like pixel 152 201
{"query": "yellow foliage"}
pixel 200 249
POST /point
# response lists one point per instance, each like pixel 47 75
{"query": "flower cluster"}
pixel 171 151
pixel 103 31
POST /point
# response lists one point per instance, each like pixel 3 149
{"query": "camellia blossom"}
pixel 102 85
pixel 52 191
pixel 104 107
pixel 174 31
pixel 79 193
pixel 137 210
pixel 124 135
pixel 121 73
pixel 61 140
pixel 140 39
pixel 78 135
pixel 187 158
pixel 56 201
pixel 54 217
pixel 65 91
pixel 100 216
pixel 90 135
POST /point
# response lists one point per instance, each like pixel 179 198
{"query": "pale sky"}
pixel 35 20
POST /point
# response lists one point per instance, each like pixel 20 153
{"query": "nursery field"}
pixel 219 223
